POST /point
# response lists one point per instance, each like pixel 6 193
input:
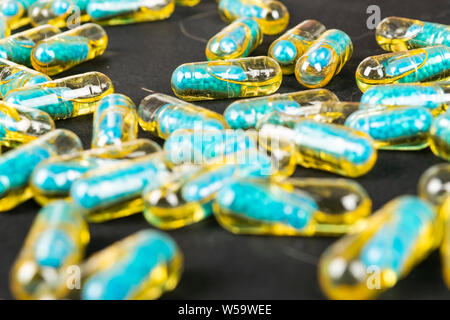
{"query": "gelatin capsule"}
pixel 57 12
pixel 418 65
pixel 115 121
pixel 434 184
pixel 20 125
pixel 66 97
pixel 187 3
pixel 272 16
pixel 288 48
pixel 445 247
pixel 237 40
pixel 162 115
pixel 17 165
pixel 399 34
pixel 245 114
pixel 324 59
pixel 15 76
pixel 394 240
pixel 116 12
pixel 55 243
pixel 300 207
pixel 14 12
pixel 440 136
pixel 5 30
pixel 140 267
pixel 51 180
pixel 243 77
pixel 435 96
pixel 394 128
pixel 328 147
pixel 18 47
pixel 68 49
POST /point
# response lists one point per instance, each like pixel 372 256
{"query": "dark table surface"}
pixel 218 264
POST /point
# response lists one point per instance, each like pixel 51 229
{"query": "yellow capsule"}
pixel 66 97
pixel 445 247
pixel 434 184
pixel 5 30
pixel 399 34
pixel 417 65
pixel 393 241
pixel 68 49
pixel 187 3
pixel 440 136
pixel 58 13
pixel 51 254
pixel 288 48
pixel 243 77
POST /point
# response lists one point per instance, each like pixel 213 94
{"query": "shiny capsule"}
pixel 5 30
pixel 116 12
pixel 162 115
pixel 272 16
pixel 288 48
pixel 115 121
pixel 65 98
pixel 68 49
pixel 140 267
pixel 57 12
pixel 14 12
pixel 17 165
pixel 245 114
pixel 237 40
pixel 324 59
pixel 435 96
pixel 18 47
pixel 440 136
pixel 394 128
pixel 434 184
pixel 243 77
pixel 394 240
pixel 399 34
pixel 15 76
pixel 51 180
pixel 53 247
pixel 417 65
pixel 187 3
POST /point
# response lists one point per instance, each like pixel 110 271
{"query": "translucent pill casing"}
pixel 434 184
pixel 66 97
pixel 245 114
pixel 162 115
pixel 5 30
pixel 445 247
pixel 399 34
pixel 17 165
pixel 295 207
pixel 435 96
pixel 272 16
pixel 324 59
pixel 394 240
pixel 115 121
pixel 18 47
pixel 418 65
pixel 57 12
pixel 140 267
pixel 394 128
pixel 288 48
pixel 54 245
pixel 237 40
pixel 440 136
pixel 187 3
pixel 68 49
pixel 14 12
pixel 51 180
pixel 116 12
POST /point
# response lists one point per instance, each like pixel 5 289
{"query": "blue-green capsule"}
pixel 5 30
pixel 440 136
pixel 57 12
pixel 14 12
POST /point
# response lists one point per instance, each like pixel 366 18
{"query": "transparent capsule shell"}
pixel 57 12
pixel 5 30
pixel 440 136
pixel 434 184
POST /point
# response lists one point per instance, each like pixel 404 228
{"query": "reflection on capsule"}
pixel 162 115
pixel 245 114
pixel 394 240
pixel 66 97
pixel 399 34
pixel 140 267
pixel 434 184
pixel 54 245
pixel 418 65
pixel 243 77
pixel 57 12
pixel 440 136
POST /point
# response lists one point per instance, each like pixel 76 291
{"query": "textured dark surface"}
pixel 219 265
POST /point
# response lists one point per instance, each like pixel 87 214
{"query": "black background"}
pixel 220 265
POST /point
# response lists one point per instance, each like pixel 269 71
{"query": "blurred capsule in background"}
pixel 140 267
pixel 5 30
pixel 187 3
pixel 243 77
pixel 440 136
pixel 161 115
pixel 434 184
pixel 288 48
pixel 394 240
pixel 53 248
pixel 399 34
pixel 14 12
pixel 57 12
pixel 417 65
pixel 445 247
pixel 64 98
